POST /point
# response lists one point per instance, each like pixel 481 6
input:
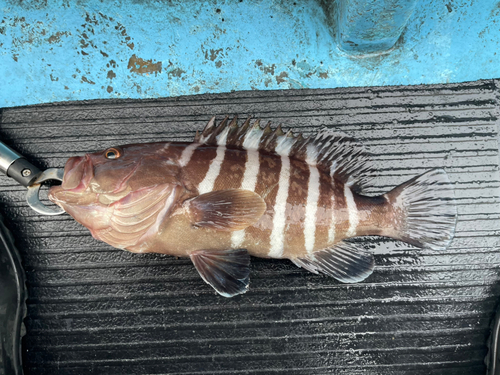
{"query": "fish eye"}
pixel 112 153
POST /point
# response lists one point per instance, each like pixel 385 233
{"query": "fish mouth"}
pixel 78 173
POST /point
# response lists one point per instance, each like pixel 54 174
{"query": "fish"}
pixel 249 190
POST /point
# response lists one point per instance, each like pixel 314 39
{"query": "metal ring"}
pixel 32 196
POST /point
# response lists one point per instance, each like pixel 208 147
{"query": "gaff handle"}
pixel 17 167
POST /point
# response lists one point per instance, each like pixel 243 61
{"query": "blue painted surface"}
pixel 371 26
pixel 73 50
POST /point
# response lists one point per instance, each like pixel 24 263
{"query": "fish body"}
pixel 245 190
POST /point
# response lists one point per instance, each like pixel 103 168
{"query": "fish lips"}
pixel 78 173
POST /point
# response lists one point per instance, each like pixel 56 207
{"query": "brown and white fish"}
pixel 243 190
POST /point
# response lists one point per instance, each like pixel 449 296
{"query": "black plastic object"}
pixel 23 172
pixel 93 309
pixel 12 304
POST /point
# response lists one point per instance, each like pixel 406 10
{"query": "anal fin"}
pixel 226 210
pixel 227 271
pixel 344 262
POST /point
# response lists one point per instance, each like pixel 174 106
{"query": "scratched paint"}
pixel 73 50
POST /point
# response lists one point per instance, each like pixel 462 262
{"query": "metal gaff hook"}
pixel 32 196
pixel 14 165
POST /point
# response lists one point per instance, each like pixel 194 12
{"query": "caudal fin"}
pixel 424 210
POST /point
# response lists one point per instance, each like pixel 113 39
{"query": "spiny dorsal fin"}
pixel 329 150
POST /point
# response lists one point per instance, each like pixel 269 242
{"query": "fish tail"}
pixel 424 210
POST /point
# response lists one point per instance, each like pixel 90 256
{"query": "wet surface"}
pixel 64 49
pixel 95 309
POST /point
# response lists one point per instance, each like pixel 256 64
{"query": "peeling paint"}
pixel 213 54
pixel 177 72
pixel 86 80
pixel 55 38
pixel 141 66
pixel 281 78
pixel 251 49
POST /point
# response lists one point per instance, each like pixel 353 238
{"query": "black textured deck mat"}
pixel 95 309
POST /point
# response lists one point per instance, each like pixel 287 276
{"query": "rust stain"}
pixel 104 54
pixel 109 89
pixel 85 79
pixel 281 77
pixel 141 66
pixel 52 78
pixel 111 74
pixel 323 75
pixel 130 45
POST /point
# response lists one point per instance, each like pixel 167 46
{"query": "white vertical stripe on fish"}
pixel 248 183
pixel 312 200
pixel 251 171
pixel 331 228
pixel 352 210
pixel 277 239
pixel 208 182
pixel 187 153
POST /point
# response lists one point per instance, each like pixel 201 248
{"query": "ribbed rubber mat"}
pixel 95 309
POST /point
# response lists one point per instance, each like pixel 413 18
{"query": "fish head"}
pixel 97 185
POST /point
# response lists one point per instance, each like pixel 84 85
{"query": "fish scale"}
pixel 301 202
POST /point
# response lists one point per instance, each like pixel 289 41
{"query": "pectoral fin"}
pixel 227 271
pixel 226 210
pixel 344 261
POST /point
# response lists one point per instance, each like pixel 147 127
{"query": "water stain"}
pixel 141 66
